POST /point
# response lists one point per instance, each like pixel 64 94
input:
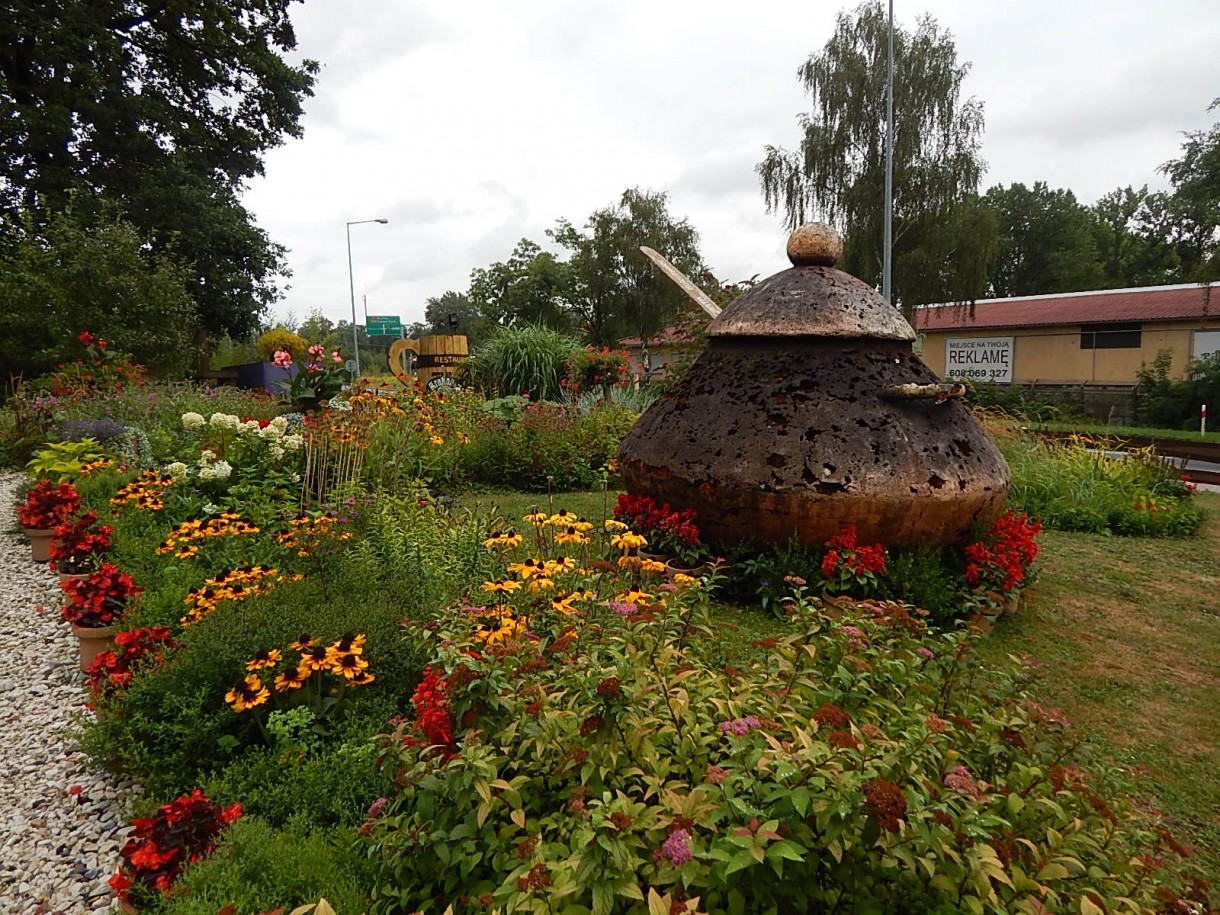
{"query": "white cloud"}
pixel 471 126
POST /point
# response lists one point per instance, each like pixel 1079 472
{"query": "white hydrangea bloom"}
pixel 192 421
pixel 279 423
pixel 218 471
pixel 206 456
pixel 294 442
pixel 271 433
pixel 277 451
pixel 176 469
pixel 224 421
pixel 250 425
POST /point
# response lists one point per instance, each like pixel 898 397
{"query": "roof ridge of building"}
pixel 1071 295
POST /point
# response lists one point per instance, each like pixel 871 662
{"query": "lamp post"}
pixel 351 282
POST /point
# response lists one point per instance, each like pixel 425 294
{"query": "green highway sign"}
pixel 383 325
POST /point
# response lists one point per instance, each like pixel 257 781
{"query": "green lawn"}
pixel 1125 634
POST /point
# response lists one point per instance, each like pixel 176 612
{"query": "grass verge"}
pixel 1125 634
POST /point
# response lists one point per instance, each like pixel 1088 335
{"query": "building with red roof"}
pixel 1100 337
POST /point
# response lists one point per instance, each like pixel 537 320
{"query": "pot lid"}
pixel 812 298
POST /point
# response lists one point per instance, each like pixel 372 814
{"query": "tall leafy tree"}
pixel 616 290
pixel 60 279
pixel 165 108
pixel 1047 242
pixel 942 240
pixel 454 313
pixel 1132 229
pixel 1195 203
pixel 532 286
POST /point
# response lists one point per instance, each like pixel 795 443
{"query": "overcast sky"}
pixel 471 125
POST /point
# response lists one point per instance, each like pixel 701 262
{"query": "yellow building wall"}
pixel 1053 354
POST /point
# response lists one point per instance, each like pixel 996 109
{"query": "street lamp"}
pixel 351 282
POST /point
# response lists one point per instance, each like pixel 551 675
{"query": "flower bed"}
pixel 564 724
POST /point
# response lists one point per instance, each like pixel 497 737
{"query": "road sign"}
pixel 383 326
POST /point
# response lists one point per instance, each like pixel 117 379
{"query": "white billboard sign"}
pixel 979 358
pixel 1206 343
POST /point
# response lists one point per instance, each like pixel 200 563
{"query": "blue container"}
pixel 266 375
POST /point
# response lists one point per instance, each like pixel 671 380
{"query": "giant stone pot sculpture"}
pixel 809 411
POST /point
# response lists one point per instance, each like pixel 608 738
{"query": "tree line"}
pixel 951 243
pixel 129 130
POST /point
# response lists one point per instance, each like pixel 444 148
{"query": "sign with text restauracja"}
pixel 979 358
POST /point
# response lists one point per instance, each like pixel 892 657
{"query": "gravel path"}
pixel 57 848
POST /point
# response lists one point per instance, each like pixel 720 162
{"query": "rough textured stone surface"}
pixel 767 443
pixel 788 425
pixel 814 244
pixel 61 822
pixel 811 302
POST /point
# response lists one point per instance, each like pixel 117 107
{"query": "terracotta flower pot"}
pixel 677 566
pixel 92 641
pixel 40 542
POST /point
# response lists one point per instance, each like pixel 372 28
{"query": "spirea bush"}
pixel 605 764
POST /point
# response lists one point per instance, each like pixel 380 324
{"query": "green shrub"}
pixel 1094 486
pixel 172 724
pixel 859 766
pixel 331 786
pixel 278 338
pixel 1173 403
pixel 549 447
pixel 258 868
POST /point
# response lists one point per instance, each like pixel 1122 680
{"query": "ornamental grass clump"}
pixel 180 832
pixel 48 505
pixel 99 599
pixel 605 759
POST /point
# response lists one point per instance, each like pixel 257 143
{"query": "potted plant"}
pixel 47 505
pixel 79 544
pixel 94 605
pixel 671 533
pixel 159 846
pixel 315 382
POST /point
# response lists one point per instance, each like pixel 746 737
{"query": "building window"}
pixel 1110 336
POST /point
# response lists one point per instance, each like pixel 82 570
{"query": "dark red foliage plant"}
pixel 79 543
pixel 48 505
pixel 99 599
pixel 180 832
pixel 111 671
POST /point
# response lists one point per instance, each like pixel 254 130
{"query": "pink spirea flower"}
pixel 855 637
pixel 962 781
pixel 716 774
pixel 739 727
pixel 376 807
pixel 925 652
pixel 623 609
pixel 676 848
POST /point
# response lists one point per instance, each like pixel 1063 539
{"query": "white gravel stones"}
pixel 61 823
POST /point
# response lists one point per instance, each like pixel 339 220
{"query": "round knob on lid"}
pixel 814 244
